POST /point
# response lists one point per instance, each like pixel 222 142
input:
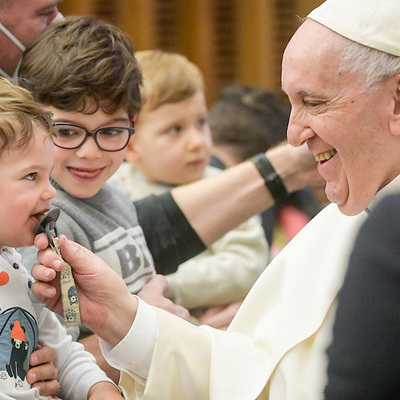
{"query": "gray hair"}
pixel 372 66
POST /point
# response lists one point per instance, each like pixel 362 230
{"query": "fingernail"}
pixel 50 292
pixel 56 264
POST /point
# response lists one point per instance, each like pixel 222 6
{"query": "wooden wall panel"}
pixel 76 7
pixel 230 40
pixel 136 18
pixel 255 43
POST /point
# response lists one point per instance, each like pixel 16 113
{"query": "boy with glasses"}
pixel 91 87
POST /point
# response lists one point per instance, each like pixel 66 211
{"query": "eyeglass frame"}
pixel 93 134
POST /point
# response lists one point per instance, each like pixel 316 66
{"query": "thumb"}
pixel 75 254
pixel 81 259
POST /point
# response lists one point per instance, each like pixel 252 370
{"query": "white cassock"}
pixel 275 346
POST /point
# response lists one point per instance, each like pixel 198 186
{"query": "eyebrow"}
pixel 120 119
pixel 107 123
pixel 306 93
pixel 56 3
pixel 33 167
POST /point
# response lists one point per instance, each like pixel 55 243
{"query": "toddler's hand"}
pixel 104 391
pixel 42 373
pixel 153 293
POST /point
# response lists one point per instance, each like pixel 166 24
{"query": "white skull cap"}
pixel 373 23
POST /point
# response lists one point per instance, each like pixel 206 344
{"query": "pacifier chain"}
pixel 69 294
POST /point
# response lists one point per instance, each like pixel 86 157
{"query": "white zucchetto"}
pixel 373 23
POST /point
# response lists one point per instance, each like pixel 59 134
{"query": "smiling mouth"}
pixel 85 173
pixel 325 156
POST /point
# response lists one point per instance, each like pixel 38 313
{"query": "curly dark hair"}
pixel 81 58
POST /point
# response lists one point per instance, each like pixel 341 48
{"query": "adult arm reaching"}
pixel 213 213
pixel 202 212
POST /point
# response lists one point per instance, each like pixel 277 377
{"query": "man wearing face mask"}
pixel 20 22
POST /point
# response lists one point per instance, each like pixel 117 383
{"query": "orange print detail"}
pixel 4 278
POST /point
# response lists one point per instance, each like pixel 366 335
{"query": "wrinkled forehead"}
pixel 313 48
pixel 313 40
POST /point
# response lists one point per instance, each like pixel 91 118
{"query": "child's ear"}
pixel 131 154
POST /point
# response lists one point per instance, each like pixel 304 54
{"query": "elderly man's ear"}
pixel 395 119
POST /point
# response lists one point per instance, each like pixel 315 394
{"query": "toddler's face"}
pixel 172 144
pixel 82 172
pixel 25 191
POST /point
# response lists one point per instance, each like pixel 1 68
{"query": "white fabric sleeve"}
pixel 141 337
pixel 78 370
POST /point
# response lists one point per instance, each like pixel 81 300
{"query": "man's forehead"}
pixel 313 42
pixel 313 33
pixel 36 6
pixel 43 5
pixel 311 60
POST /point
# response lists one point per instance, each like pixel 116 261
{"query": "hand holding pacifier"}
pixel 68 289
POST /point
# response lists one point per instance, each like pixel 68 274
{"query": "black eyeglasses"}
pixel 110 138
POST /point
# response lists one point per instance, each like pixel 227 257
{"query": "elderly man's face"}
pixel 25 19
pixel 347 130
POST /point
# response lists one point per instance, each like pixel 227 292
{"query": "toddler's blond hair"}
pixel 167 78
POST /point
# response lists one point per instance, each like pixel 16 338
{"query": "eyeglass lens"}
pixel 109 138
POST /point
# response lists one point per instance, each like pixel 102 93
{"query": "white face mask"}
pixel 14 78
pixel 58 17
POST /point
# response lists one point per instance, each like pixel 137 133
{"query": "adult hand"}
pixel 296 166
pixel 153 293
pixel 105 304
pixel 43 374
pixel 220 316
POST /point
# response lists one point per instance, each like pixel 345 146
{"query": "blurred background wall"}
pixel 230 40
